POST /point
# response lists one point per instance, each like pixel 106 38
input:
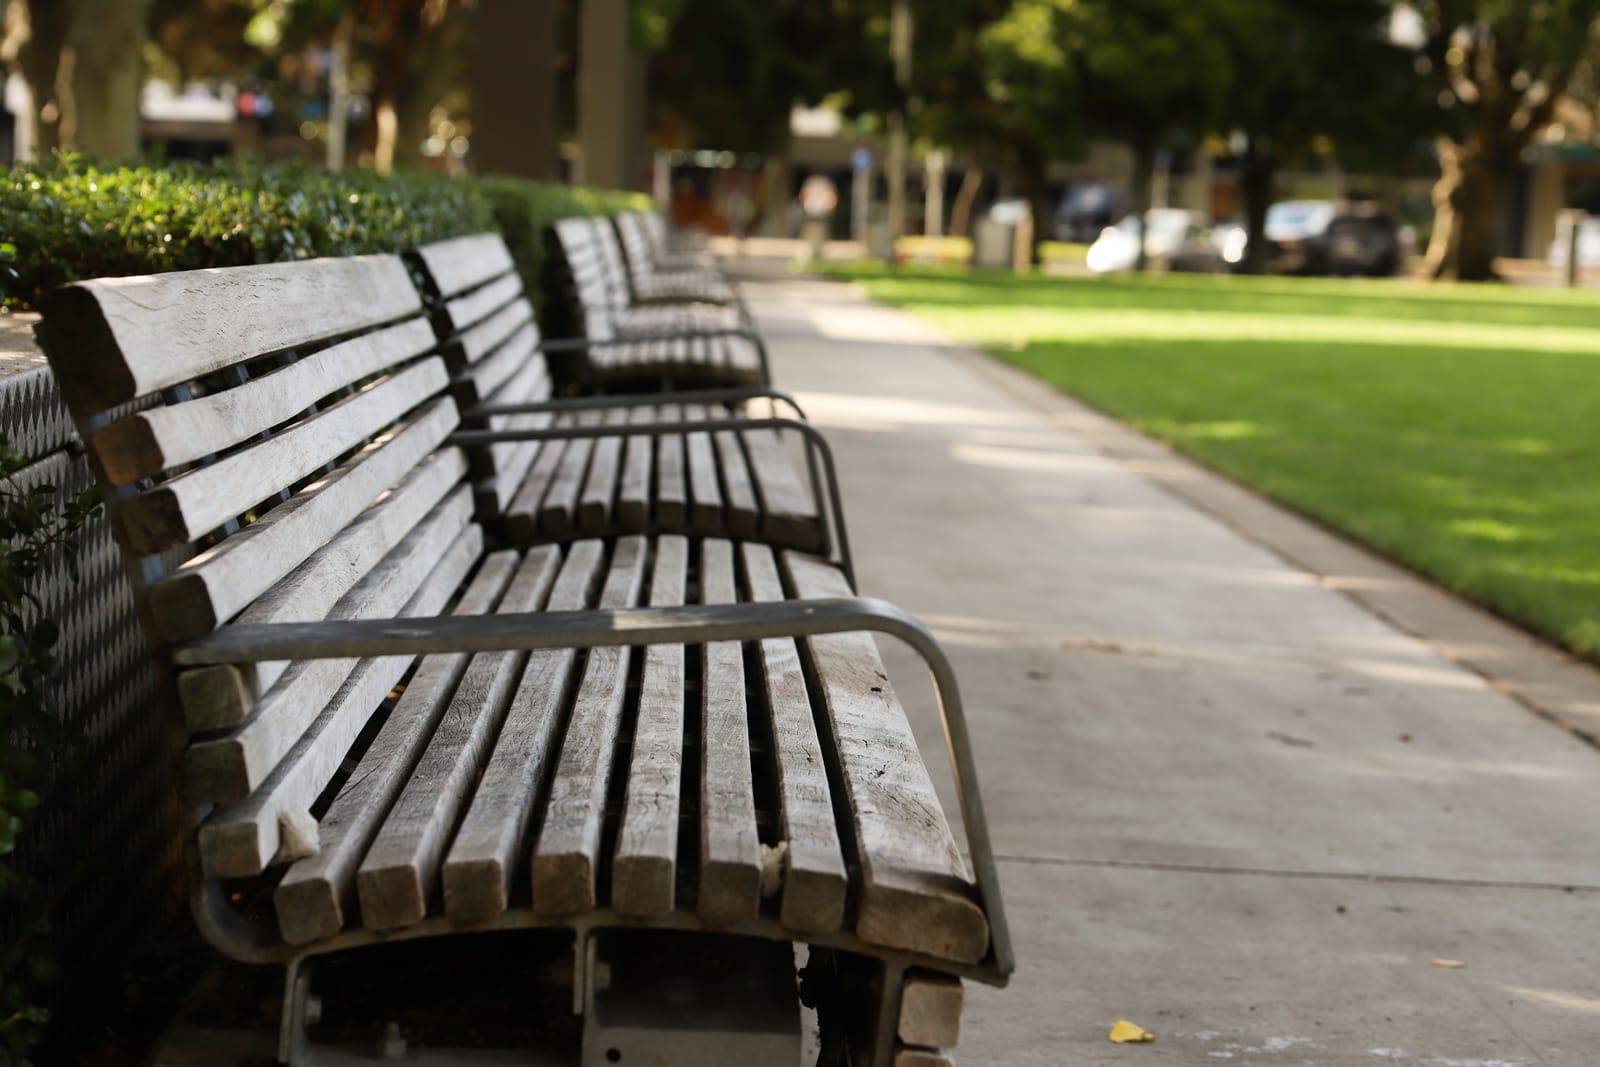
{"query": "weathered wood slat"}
pixel 116 339
pixel 595 504
pixel 672 486
pixel 930 1009
pixel 524 387
pixel 705 506
pixel 217 697
pixel 216 584
pixel 148 442
pixel 241 840
pixel 633 488
pixel 739 492
pixel 788 512
pixel 401 868
pixel 228 767
pixel 566 857
pixel 643 872
pixel 558 514
pixel 201 500
pixel 317 895
pixel 458 264
pixel 814 879
pixel 479 381
pixel 905 1056
pixel 522 513
pixel 915 890
pixel 477 305
pixel 493 835
pixel 730 851
pixel 473 344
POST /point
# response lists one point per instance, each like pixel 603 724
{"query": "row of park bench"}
pixel 476 630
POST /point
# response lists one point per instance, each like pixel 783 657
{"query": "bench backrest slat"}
pixel 116 339
pixel 587 273
pixel 148 442
pixel 286 459
pixel 463 263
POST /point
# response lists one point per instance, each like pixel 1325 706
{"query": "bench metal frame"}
pixel 582 344
pixel 691 625
pixel 816 446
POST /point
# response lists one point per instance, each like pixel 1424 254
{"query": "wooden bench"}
pixel 652 279
pixel 400 730
pixel 677 345
pixel 615 464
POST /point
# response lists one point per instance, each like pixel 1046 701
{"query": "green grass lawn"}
pixel 1455 428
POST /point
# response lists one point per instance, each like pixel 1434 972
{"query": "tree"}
pixel 1315 76
pixel 81 61
pixel 1498 69
pixel 1153 74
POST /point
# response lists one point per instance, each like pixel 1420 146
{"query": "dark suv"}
pixel 1331 237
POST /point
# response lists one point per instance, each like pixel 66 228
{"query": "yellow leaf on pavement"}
pixel 1124 1032
pixel 1448 963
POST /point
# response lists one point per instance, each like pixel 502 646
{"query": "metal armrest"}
pixel 818 445
pixel 733 395
pixel 693 624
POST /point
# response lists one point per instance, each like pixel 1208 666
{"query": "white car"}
pixel 1174 238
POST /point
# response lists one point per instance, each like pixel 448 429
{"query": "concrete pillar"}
pixel 514 88
pixel 609 97
pixel 1547 196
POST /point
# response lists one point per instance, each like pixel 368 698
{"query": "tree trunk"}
pixel 1256 181
pixel 1144 165
pixel 83 62
pixel 1032 183
pixel 514 122
pixel 36 32
pixel 1469 205
pixel 966 196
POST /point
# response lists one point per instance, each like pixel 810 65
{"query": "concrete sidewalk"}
pixel 1232 805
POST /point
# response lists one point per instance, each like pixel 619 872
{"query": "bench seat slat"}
pixel 317 895
pixel 730 851
pixel 492 842
pixel 600 486
pixel 240 840
pixel 705 490
pixel 213 586
pixel 916 893
pixel 227 768
pixel 566 856
pixel 220 696
pixel 400 870
pixel 644 870
pixel 815 881
pixel 788 510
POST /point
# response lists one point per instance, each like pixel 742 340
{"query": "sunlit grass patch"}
pixel 1455 428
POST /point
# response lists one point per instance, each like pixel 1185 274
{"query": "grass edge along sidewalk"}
pixel 1450 428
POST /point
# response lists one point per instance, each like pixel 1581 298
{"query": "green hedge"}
pixel 69 219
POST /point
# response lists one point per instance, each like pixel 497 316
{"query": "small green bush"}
pixel 522 210
pixel 69 219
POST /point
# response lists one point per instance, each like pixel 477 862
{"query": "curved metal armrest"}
pixel 819 446
pixel 636 400
pixel 580 344
pixel 694 624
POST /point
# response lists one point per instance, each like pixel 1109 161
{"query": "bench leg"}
pixel 300 1009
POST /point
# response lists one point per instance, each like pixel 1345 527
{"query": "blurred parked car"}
pixel 1175 240
pixel 1088 208
pixel 1328 237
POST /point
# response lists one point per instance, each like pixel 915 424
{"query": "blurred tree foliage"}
pixel 1315 78
pixel 1498 69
